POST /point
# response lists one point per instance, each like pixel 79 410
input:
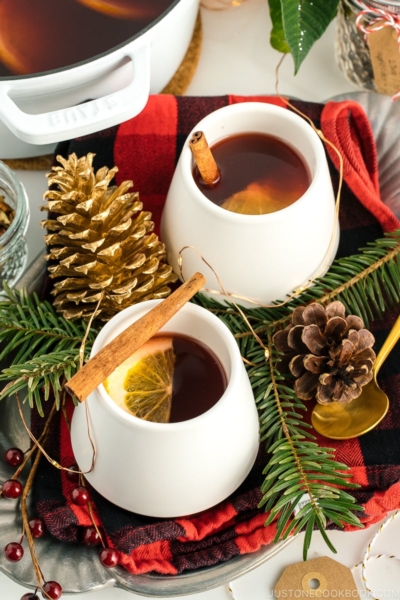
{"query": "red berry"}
pixel 52 589
pixel 91 537
pixel 14 457
pixel 108 557
pixel 73 477
pixel 37 527
pixel 12 488
pixel 30 596
pixel 13 552
pixel 80 496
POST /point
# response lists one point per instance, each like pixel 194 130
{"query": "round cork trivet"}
pixel 177 87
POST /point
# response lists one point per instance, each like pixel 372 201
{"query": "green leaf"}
pixel 304 21
pixel 277 38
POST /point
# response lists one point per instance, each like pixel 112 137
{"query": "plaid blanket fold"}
pixel 146 150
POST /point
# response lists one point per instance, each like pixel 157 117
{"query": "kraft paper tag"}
pixel 385 59
pixel 317 578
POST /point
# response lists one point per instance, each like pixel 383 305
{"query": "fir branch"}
pixel 367 284
pixel 43 347
pixel 297 465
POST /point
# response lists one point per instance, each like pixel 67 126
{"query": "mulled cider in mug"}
pixel 258 174
pixel 265 245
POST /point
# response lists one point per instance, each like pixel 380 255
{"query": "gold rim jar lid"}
pixel 391 6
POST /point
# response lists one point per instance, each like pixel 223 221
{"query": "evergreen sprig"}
pixel 297 469
pixel 367 284
pixel 46 352
pixel 41 347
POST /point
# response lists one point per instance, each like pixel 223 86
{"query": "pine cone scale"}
pixel 335 328
pixel 314 314
pixel 305 385
pixel 294 339
pixel 314 339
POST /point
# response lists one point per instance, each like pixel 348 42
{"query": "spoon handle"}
pixel 390 341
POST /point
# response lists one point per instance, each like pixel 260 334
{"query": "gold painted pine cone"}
pixel 101 242
pixel 329 353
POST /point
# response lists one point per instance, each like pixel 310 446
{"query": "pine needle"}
pixel 41 347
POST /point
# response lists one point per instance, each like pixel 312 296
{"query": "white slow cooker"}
pixel 37 111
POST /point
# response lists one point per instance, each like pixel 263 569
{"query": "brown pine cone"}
pixel 330 354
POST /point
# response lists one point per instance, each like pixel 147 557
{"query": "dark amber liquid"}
pixel 199 379
pixel 251 158
pixel 42 35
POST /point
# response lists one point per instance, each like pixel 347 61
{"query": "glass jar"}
pixel 13 246
pixel 351 49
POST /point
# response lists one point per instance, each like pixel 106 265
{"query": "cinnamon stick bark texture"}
pixel 205 161
pixel 98 368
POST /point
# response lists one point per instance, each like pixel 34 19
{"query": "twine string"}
pixel 368 557
pixel 36 442
pixel 230 591
pixel 325 140
pixel 225 293
pixel 38 445
pixel 373 19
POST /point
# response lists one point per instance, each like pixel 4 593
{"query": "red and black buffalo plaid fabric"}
pixel 146 150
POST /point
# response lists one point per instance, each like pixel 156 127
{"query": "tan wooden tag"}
pixel 317 578
pixel 385 59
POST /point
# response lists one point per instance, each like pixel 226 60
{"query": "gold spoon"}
pixel 346 421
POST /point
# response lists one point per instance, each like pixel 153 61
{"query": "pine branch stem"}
pixel 40 332
pixel 303 477
pixel 389 256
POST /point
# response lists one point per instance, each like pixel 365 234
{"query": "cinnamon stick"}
pixel 205 161
pixel 98 368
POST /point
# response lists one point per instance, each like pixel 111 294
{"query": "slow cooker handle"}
pixel 91 116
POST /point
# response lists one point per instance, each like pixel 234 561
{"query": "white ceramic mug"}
pixel 171 469
pixel 261 257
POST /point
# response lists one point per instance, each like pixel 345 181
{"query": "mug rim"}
pixel 186 162
pixel 232 381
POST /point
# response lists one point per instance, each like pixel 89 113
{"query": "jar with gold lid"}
pixel 368 60
pixel 14 220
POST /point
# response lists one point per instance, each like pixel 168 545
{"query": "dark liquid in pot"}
pixel 259 174
pixel 42 35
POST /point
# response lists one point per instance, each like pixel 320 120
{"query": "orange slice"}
pixel 142 384
pixel 257 199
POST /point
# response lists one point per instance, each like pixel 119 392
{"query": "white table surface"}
pixel 236 58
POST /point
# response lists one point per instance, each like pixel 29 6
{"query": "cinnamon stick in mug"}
pixel 204 158
pixel 102 364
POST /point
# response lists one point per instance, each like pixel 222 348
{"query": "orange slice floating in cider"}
pixel 142 384
pixel 258 199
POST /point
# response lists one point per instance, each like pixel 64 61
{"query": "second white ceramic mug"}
pixel 171 469
pixel 261 257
